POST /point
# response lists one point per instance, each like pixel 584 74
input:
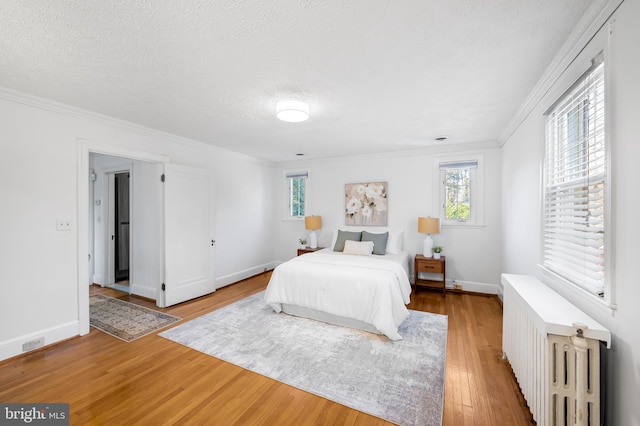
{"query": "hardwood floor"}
pixel 155 381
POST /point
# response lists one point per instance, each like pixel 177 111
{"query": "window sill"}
pixel 462 225
pixel 575 294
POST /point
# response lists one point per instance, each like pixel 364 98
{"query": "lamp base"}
pixel 427 247
pixel 313 240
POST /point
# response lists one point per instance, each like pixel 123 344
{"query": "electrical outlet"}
pixel 457 286
pixel 33 344
pixel 63 225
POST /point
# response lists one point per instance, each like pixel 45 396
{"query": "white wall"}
pixel 38 184
pixel 522 156
pixel 472 254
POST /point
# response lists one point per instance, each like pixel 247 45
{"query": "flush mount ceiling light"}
pixel 292 111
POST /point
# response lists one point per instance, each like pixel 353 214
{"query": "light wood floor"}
pixel 155 381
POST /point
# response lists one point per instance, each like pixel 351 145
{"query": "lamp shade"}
pixel 292 111
pixel 313 222
pixel 428 225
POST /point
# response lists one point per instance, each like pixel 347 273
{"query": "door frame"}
pixel 85 148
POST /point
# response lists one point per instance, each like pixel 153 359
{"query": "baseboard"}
pixel 244 274
pixel 13 347
pixel 474 287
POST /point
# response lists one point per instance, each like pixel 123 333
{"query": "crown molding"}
pixel 75 112
pixel 427 150
pixel 594 18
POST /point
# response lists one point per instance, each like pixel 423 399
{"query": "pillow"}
pixel 394 243
pixel 344 236
pixel 379 241
pixel 362 248
pixel 334 238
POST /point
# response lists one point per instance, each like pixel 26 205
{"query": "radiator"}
pixel 554 351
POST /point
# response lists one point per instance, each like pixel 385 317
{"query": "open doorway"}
pixel 121 229
pixel 163 258
pixel 127 218
pixel 114 225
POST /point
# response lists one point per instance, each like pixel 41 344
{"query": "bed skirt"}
pixel 314 314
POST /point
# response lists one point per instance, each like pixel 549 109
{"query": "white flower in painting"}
pixel 360 189
pixel 374 191
pixel 366 211
pixel 353 205
pixel 380 205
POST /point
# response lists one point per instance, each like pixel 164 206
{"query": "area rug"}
pixel 398 381
pixel 125 320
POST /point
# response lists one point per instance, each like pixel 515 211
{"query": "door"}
pixel 189 242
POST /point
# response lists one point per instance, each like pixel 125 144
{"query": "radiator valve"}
pixel 580 328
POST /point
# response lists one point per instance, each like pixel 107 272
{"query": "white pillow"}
pixel 362 248
pixel 394 243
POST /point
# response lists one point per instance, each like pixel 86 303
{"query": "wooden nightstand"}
pixel 431 265
pixel 308 250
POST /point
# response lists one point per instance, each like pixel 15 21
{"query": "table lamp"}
pixel 428 225
pixel 313 223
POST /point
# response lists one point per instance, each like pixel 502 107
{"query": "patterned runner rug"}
pixel 398 381
pixel 125 320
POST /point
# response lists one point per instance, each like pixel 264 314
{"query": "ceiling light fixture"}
pixel 292 111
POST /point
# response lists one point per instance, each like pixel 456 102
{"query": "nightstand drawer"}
pixel 427 266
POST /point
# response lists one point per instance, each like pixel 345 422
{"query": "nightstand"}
pixel 308 250
pixel 430 265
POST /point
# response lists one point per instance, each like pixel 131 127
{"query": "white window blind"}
pixel 575 183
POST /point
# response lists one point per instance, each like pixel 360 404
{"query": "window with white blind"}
pixel 575 183
pixel 296 182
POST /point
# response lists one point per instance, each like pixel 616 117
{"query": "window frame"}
pixel 571 291
pixel 476 190
pixel 287 176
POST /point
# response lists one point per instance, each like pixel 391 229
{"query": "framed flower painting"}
pixel 366 204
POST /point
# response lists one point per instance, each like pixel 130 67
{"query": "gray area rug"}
pixel 125 320
pixel 401 382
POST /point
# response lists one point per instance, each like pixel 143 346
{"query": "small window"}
pixel 296 194
pixel 575 184
pixel 460 192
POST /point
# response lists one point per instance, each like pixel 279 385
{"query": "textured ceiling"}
pixel 380 76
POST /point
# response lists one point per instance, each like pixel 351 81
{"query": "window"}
pixel 460 191
pixel 296 188
pixel 575 184
pixel 456 178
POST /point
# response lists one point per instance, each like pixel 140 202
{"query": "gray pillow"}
pixel 379 241
pixel 344 236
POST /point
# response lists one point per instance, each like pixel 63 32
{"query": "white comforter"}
pixel 367 288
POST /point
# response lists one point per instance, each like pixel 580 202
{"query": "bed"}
pixel 368 292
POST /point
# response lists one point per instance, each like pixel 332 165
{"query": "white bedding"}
pixel 372 289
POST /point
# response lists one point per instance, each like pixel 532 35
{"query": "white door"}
pixel 189 242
